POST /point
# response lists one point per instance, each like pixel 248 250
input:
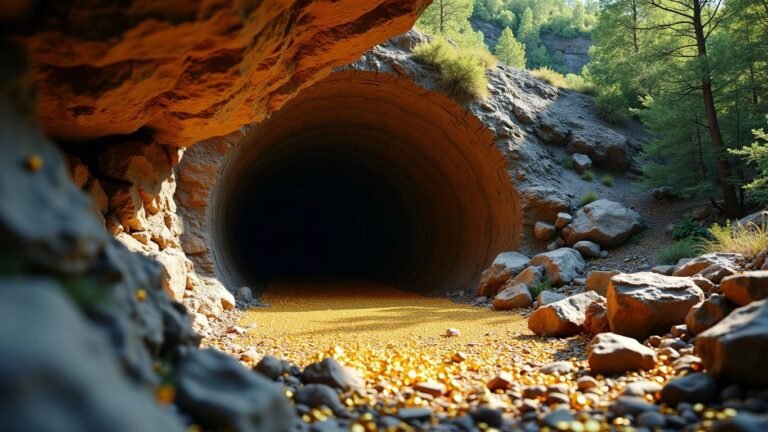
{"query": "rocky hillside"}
pixel 575 51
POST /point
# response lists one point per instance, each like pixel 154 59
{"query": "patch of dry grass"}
pixel 748 240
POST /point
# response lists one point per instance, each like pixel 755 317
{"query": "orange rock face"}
pixel 187 71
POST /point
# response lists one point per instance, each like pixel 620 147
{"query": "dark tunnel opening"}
pixel 366 177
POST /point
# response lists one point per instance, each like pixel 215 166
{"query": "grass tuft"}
pixel 588 198
pixel 674 252
pixel 587 176
pixel 607 180
pixel 542 285
pixel 748 240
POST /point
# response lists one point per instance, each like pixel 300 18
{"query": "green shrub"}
pixel 607 180
pixel 566 162
pixel 550 76
pixel 587 176
pixel 612 106
pixel 570 81
pixel 588 197
pixel 542 285
pixel 748 240
pixel 462 71
pixel 688 228
pixel 674 252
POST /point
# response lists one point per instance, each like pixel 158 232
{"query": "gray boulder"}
pixel 701 263
pixel 604 222
pixel 222 395
pixel 332 373
pixel 506 266
pixel 581 162
pixel 52 354
pixel 561 266
pixel 604 146
pixel 588 249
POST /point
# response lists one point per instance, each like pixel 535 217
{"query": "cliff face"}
pixel 188 71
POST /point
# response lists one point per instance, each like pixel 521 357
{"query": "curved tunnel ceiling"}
pixel 365 176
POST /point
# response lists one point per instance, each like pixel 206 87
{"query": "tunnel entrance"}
pixel 369 177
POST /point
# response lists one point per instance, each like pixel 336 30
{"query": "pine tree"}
pixel 445 17
pixel 509 50
pixel 528 32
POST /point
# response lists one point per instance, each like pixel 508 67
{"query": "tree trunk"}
pixel 634 27
pixel 732 208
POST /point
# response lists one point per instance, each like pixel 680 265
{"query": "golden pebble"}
pixel 34 163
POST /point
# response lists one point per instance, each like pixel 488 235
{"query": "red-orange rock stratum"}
pixel 191 70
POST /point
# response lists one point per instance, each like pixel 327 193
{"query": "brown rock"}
pixel 734 349
pixel 529 277
pixel 125 203
pixel 716 272
pixel 691 267
pixel 505 266
pixel 78 171
pixel 642 304
pixel 609 354
pixel 512 297
pixel 544 231
pixel 604 222
pixel 745 288
pixel 98 196
pixel 431 388
pixel 502 381
pixel 145 165
pixel 563 318
pixel 596 317
pixel 708 313
pixel 598 281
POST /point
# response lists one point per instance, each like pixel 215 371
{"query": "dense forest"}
pixel 695 72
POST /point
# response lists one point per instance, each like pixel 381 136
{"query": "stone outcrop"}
pixel 643 304
pixel 194 72
pixel 512 297
pixel 706 314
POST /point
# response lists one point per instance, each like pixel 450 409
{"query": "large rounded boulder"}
pixel 604 222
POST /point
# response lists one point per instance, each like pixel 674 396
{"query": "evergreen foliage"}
pixel 509 50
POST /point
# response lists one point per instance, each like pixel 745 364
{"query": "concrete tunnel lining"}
pixel 364 176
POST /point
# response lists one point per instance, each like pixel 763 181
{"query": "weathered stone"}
pixel 562 318
pixel 145 165
pixel 588 249
pixel 599 280
pixel 125 203
pixel 529 277
pixel 560 367
pixel 546 297
pixel 176 268
pixel 542 203
pixel 745 288
pixel 505 266
pixel 431 388
pixel 631 405
pixel 581 162
pixel 596 317
pixel 706 314
pixel 604 222
pixel 269 366
pixel 693 266
pixel 642 304
pixel 734 349
pixel 502 381
pixel 330 372
pixel 642 388
pixel 544 231
pixel 562 220
pixel 555 244
pixel 43 334
pixel 609 354
pixel 705 284
pixel 603 146
pixel 665 270
pixel 512 297
pixel 560 266
pixel 693 388
pixel 221 394
pixel 319 395
pixel 716 272
pixel 742 422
